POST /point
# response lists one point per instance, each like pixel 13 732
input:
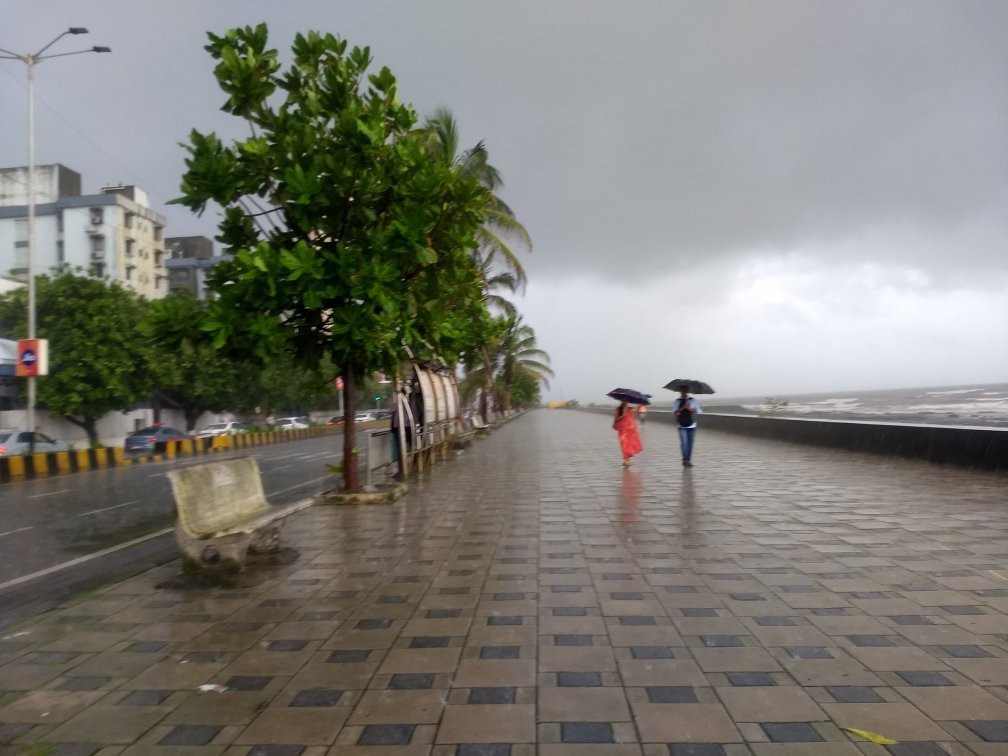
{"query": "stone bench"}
pixel 223 514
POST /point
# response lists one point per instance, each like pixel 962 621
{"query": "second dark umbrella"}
pixel 692 386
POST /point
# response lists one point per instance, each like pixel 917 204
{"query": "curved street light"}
pixel 31 60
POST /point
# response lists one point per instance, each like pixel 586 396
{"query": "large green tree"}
pixel 350 238
pixel 189 372
pixel 98 361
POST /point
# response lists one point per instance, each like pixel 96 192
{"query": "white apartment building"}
pixel 113 234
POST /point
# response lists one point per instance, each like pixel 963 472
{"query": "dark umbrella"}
pixel 691 385
pixel 634 397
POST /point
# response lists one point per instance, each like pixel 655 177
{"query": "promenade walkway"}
pixel 534 597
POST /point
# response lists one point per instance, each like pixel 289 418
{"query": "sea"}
pixel 983 405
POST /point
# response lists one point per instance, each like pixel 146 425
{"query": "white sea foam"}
pixel 986 404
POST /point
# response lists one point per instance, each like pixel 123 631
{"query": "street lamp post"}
pixel 32 60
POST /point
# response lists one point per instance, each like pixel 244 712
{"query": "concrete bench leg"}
pixel 267 538
pixel 213 556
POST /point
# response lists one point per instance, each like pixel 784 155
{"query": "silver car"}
pixel 223 429
pixel 14 442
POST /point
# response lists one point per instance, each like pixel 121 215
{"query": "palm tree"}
pixel 518 353
pixel 497 264
pixel 500 224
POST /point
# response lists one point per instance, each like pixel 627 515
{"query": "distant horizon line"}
pixel 1003 384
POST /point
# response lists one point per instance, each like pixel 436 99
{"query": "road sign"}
pixel 32 358
pixel 338 383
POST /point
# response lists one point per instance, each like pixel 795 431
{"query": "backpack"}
pixel 685 415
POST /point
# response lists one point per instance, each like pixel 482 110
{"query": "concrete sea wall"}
pixel 963 446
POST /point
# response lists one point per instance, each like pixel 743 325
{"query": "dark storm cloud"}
pixel 781 127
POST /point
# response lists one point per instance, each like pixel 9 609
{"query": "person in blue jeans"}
pixel 686 409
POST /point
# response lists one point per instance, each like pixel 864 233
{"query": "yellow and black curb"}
pixel 44 464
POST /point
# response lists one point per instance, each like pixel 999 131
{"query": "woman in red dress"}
pixel 625 423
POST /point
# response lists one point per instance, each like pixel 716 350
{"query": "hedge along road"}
pixel 64 519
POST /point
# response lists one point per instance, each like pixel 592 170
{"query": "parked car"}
pixel 223 429
pixel 291 423
pixel 152 439
pixel 337 420
pixel 363 417
pixel 14 442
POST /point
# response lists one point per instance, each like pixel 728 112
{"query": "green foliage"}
pixel 350 237
pixel 344 228
pixel 189 372
pixel 98 361
pixel 524 389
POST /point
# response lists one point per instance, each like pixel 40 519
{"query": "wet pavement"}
pixel 532 596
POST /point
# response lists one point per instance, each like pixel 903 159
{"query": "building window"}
pixel 129 247
pixel 99 269
pixel 59 221
pixel 97 243
pixel 158 257
pixel 97 216
pixel 158 232
pixel 129 272
pixel 60 254
pixel 128 222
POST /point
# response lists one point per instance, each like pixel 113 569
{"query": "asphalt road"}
pixel 51 524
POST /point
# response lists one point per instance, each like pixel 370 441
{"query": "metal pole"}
pixel 31 238
pixel 30 61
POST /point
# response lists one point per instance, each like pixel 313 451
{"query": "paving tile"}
pixel 393 706
pixel 488 673
pixel 411 681
pixel 662 723
pixel 744 679
pixel 386 735
pixel 586 732
pixel 145 698
pixel 990 731
pixel 961 703
pixel 924 677
pixel 578 679
pixel 284 725
pixel 696 749
pixel 492 695
pixel 853 694
pixel 896 720
pixel 492 723
pixel 791 732
pixel 190 735
pixel 785 703
pixel 671 694
pixel 109 724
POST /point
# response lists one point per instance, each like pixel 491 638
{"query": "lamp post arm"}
pixel 75 52
pixel 57 39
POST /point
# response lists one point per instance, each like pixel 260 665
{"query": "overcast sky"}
pixel 773 197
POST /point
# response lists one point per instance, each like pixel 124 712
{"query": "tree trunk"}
pixel 488 388
pixel 89 425
pixel 351 480
pixel 192 414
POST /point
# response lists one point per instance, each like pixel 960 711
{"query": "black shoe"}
pixel 687 463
